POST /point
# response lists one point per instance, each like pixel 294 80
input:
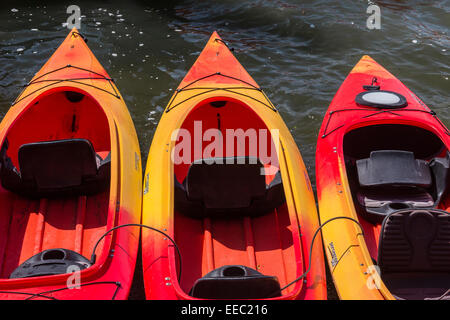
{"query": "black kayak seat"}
pixel 390 180
pixel 393 167
pixel 56 168
pixel 414 253
pixel 236 282
pixel 227 187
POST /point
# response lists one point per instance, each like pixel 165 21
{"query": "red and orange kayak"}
pixel 70 170
pixel 243 223
pixel 382 164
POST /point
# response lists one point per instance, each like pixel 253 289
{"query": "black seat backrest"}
pixel 223 186
pixel 57 164
pixel 227 187
pixel 56 168
pixel 393 168
pixel 415 241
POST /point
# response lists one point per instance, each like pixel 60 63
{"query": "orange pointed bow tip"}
pixel 72 61
pixel 367 65
pixel 217 65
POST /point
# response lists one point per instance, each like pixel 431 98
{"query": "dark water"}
pixel 298 51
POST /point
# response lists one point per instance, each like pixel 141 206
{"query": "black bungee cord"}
pixel 311 248
pixel 93 256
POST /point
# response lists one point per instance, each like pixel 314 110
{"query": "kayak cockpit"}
pixel 398 175
pixel 231 219
pixel 55 176
pixel 393 166
pixel 227 187
pixel 222 190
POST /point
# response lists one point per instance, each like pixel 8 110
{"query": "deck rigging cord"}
pixel 44 294
pixel 29 294
pixel 179 253
pixel 376 111
pixel 311 249
pixel 266 103
pixel 93 256
pixel 118 286
pixel 225 43
pixel 73 80
pixel 53 82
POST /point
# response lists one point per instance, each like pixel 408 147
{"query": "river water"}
pixel 299 52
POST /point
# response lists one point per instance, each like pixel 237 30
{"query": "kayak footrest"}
pixel 236 282
pixel 51 262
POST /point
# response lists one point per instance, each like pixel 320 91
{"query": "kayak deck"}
pixel 263 243
pixel 30 226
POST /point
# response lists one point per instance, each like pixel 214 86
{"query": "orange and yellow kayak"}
pixel 242 217
pixel 70 170
pixel 382 164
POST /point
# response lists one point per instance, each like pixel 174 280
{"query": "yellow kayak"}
pixel 226 181
pixel 70 171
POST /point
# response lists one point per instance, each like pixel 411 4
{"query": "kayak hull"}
pixel 248 108
pixel 350 250
pixel 74 68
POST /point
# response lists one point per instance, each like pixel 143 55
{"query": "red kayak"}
pixel 383 165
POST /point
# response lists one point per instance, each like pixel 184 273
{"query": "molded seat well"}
pixel 56 168
pixel 227 187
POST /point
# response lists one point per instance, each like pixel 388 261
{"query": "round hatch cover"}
pixel 381 99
